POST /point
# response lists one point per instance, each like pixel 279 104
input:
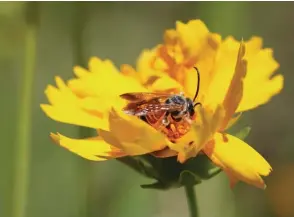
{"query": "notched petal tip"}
pixel 93 61
pixel 93 148
pixel 59 82
pixel 43 107
pixel 80 71
pixel 182 158
pixel 55 138
pixel 48 88
pixel 197 24
pixel 261 67
pixel 239 160
pixel 48 110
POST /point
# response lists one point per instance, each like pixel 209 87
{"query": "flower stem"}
pixel 191 199
pixel 24 121
pixel 80 15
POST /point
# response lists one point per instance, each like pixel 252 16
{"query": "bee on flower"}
pixel 178 103
pixel 171 114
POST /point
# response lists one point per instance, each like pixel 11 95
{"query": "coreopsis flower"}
pixel 235 77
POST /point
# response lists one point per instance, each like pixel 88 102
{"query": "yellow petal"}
pixel 80 72
pixel 66 107
pixel 164 83
pixel 198 48
pixel 103 79
pixel 153 76
pixel 129 71
pixel 261 67
pixel 91 148
pixel 235 92
pixel 190 44
pixel 129 148
pixel 98 66
pixel 253 46
pixel 148 65
pixel 193 34
pixel 171 37
pixel 224 69
pixel 238 159
pixel 135 136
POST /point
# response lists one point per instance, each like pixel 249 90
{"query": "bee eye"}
pixel 190 107
pixel 168 101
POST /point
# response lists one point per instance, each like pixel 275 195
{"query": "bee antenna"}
pixel 198 85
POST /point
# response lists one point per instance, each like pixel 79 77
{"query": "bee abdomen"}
pixel 173 131
pixel 154 118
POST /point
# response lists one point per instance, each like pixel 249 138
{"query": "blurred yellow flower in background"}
pixel 235 77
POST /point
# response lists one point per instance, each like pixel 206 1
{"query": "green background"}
pixel 61 184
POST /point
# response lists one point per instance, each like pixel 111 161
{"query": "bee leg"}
pixel 165 121
pixel 143 118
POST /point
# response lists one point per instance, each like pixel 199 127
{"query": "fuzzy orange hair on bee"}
pixel 171 114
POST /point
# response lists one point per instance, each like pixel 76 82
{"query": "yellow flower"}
pixel 230 81
pixel 237 87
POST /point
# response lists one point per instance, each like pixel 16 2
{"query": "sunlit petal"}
pixel 261 68
pixel 103 79
pixel 66 107
pixel 135 136
pixel 164 84
pixel 238 159
pixel 193 34
pixel 91 148
pixel 224 71
pixel 235 91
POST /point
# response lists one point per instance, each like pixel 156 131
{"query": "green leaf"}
pixel 156 185
pixel 242 134
pixel 140 165
pixel 169 173
pixel 213 171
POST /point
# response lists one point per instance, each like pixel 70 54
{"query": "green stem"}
pixel 84 166
pixel 23 139
pixel 191 199
pixel 79 24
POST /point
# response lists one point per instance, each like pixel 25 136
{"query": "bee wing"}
pixel 146 109
pixel 141 96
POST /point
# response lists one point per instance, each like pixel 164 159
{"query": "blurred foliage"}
pixel 62 184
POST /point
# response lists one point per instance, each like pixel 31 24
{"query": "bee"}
pixel 171 114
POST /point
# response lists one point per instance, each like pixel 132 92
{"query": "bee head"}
pixel 190 107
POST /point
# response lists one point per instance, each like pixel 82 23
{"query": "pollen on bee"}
pixel 173 128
